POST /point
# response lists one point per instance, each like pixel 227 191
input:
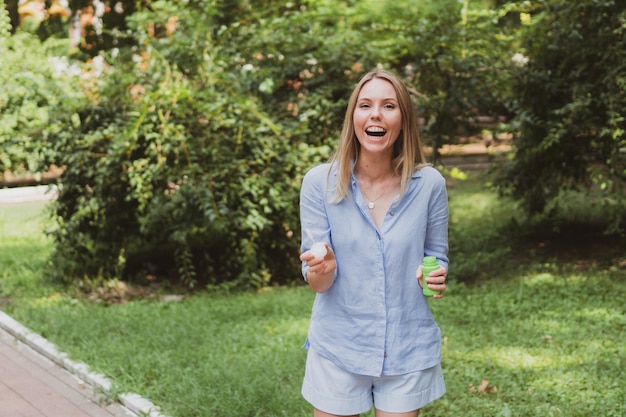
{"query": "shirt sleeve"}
pixel 313 215
pixel 436 242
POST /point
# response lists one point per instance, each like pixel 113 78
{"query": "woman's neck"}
pixel 373 169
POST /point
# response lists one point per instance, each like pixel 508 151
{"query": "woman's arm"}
pixel 319 272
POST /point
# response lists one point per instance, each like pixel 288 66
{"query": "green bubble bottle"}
pixel 429 265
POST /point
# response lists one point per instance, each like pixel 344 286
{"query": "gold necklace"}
pixel 371 203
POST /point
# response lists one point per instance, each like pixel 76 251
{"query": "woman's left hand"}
pixel 436 281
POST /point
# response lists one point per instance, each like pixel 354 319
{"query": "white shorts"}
pixel 335 391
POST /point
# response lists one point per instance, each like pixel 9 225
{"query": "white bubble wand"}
pixel 319 248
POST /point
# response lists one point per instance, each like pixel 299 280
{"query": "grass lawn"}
pixel 539 331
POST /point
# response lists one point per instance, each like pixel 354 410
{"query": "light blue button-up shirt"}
pixel 374 319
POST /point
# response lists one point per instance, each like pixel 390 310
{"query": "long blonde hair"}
pixel 408 155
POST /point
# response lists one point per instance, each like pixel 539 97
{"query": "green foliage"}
pixel 175 177
pixel 458 60
pixel 33 86
pixel 5 21
pixel 571 104
pixel 187 162
pixel 184 158
pixel 110 31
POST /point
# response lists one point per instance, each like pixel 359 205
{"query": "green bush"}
pixel 173 177
pixel 571 105
pixel 33 85
pixel 184 159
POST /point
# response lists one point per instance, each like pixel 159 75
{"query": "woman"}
pixel 378 209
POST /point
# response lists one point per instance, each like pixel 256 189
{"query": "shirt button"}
pixel 391 213
pixel 386 354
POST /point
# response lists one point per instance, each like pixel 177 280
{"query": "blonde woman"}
pixel 379 209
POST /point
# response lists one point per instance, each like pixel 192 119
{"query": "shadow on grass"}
pixel 542 343
pixel 577 244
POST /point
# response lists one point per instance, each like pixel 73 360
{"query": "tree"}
pixel 184 157
pixel 570 111
pixel 459 62
pixel 173 169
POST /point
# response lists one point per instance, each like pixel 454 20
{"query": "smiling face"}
pixel 377 117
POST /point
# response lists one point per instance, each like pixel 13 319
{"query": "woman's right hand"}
pixel 321 272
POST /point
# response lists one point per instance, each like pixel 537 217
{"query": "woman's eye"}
pixel 389 106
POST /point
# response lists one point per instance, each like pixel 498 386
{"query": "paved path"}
pixel 34 386
pixel 20 195
pixel 37 380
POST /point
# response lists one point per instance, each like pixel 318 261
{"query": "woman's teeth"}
pixel 376 132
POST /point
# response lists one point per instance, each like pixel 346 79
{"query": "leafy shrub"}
pixel 175 169
pixel 185 157
pixel 571 106
pixel 31 89
pixel 175 177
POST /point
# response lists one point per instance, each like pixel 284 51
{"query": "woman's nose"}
pixel 375 114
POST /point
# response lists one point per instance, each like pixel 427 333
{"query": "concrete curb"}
pixel 133 402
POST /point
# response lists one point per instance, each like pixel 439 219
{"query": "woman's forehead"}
pixel 378 88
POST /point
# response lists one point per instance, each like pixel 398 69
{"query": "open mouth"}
pixel 375 131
